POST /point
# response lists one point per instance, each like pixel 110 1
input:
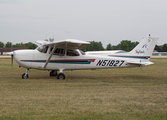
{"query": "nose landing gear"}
pixel 25 75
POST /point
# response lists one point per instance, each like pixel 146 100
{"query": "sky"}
pixel 106 21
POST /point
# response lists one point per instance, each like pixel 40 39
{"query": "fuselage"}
pixel 36 59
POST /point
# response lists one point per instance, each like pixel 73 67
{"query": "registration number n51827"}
pixel 115 63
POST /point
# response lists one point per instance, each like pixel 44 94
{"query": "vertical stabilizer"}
pixel 145 47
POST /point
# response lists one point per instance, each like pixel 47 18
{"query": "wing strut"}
pixel 50 56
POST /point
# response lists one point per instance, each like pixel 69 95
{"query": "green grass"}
pixel 129 93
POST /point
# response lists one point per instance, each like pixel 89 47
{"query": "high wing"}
pixel 68 43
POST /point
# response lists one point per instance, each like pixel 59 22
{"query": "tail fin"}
pixel 145 47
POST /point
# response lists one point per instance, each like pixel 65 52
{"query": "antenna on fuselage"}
pixel 51 39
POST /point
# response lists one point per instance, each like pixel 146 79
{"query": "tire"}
pixel 61 76
pixel 24 77
pixel 53 73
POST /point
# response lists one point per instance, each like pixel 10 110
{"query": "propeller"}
pixel 12 59
pixel 12 54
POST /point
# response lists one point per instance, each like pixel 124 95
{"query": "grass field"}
pixel 129 93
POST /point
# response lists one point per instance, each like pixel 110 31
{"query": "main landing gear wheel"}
pixel 53 73
pixel 24 76
pixel 61 76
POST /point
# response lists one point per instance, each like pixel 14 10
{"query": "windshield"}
pixel 42 49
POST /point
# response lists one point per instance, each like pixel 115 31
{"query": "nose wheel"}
pixel 25 75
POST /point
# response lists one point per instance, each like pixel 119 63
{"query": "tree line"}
pixel 125 45
pixel 25 45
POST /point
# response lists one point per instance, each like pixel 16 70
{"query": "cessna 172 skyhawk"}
pixel 65 55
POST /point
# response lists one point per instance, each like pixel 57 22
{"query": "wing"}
pixel 68 43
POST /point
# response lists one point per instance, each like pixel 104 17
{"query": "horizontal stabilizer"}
pixel 141 63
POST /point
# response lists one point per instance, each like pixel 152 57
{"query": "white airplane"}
pixel 65 55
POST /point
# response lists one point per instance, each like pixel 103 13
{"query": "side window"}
pixel 50 50
pixel 72 53
pixel 45 49
pixel 58 51
pixel 62 51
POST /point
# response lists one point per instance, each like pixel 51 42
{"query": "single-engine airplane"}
pixel 66 55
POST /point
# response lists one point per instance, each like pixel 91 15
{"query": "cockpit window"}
pixel 43 49
pixel 58 51
pixel 72 53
